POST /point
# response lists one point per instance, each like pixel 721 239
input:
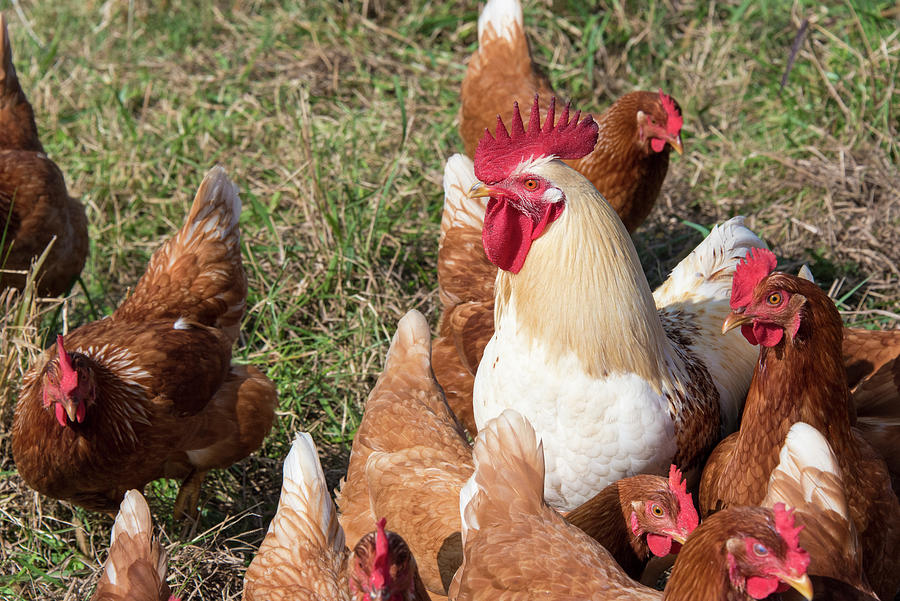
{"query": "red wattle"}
pixel 659 545
pixel 60 414
pixel 508 232
pixel 760 588
pixel 657 145
pixel 767 334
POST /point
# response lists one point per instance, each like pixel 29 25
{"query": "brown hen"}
pixel 150 391
pixel 628 164
pixel 800 376
pixel 35 206
pixel 136 567
pixel 303 556
pixel 516 545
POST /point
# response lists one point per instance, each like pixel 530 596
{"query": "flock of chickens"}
pixel 552 353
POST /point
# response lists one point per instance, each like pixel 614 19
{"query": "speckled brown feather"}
pixel 780 395
pixel 34 203
pixel 168 401
pixel 135 569
pixel 872 358
pixel 406 419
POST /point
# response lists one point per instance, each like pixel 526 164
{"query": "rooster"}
pixel 800 376
pixel 303 555
pixel 515 544
pixel 629 161
pixel 616 381
pixel 35 207
pixel 410 461
pixel 150 391
pixel 136 567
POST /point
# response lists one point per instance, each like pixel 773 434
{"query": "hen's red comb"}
pixel 797 557
pixel 749 272
pixel 496 157
pixel 687 516
pixel 68 380
pixel 381 568
pixel 674 120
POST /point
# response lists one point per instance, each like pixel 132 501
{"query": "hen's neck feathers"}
pixel 583 277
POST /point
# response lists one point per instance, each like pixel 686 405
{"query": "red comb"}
pixel 69 377
pixel 381 574
pixel 749 272
pixel 496 157
pixel 687 516
pixel 674 120
pixel 797 557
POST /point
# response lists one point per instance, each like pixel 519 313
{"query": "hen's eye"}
pixel 760 549
pixel 531 184
pixel 774 298
pixel 657 510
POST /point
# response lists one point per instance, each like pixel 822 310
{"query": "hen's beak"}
pixel 479 190
pixel 71 408
pixel 735 319
pixel 678 537
pixel 801 584
pixel 675 143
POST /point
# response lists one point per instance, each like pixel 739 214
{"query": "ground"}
pixel 334 119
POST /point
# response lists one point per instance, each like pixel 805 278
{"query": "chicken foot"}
pixel 188 499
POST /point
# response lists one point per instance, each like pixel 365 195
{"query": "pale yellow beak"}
pixel 678 538
pixel 734 320
pixel 479 190
pixel 802 585
pixel 676 144
pixel 70 407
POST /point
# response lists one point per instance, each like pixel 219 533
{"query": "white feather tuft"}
pixel 504 16
pixel 459 209
pixel 133 520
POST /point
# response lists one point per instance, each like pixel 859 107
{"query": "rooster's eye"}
pixel 531 184
pixel 657 510
pixel 774 298
pixel 760 549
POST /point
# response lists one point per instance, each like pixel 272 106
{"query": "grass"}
pixel 335 119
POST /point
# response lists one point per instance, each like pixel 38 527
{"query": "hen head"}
pixel 768 304
pixel 67 385
pixel 666 516
pixel 515 170
pixel 382 569
pixel 768 559
pixel 659 123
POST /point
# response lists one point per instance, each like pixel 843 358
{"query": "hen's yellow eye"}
pixel 657 510
pixel 531 184
pixel 774 298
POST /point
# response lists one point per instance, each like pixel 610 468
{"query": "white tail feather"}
pixel 304 493
pixel 132 520
pixel 413 337
pixel 805 448
pixel 706 273
pixel 504 17
pixel 459 209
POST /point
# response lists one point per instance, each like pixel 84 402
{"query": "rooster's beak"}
pixel 480 190
pixel 801 584
pixel 735 319
pixel 675 143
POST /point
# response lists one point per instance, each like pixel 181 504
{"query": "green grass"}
pixel 335 125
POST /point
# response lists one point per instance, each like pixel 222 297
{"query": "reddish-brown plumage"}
pixel 156 393
pixel 624 167
pixel 34 203
pixel 801 377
